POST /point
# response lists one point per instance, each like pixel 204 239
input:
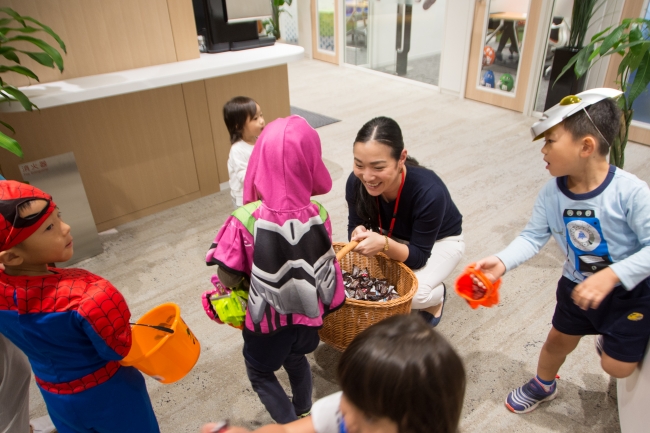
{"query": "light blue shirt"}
pixel 609 226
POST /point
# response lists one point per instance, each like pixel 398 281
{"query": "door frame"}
pixel 524 76
pixel 316 53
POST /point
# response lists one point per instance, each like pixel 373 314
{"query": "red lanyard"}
pixel 392 221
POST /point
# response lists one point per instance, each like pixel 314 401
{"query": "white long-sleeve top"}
pixel 609 226
pixel 240 153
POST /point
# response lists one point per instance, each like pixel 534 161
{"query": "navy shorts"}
pixel 623 319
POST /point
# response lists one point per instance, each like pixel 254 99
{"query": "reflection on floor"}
pixel 425 69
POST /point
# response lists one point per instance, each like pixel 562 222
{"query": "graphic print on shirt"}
pixel 293 265
pixel 585 237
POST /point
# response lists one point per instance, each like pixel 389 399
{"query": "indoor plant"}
pixel 631 41
pixel 15 29
pixel 569 84
pixel 272 25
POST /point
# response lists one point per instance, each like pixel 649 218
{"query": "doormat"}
pixel 315 120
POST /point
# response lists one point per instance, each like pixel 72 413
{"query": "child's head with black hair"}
pixel 244 119
pixel 400 375
pixel 578 133
pixel 601 120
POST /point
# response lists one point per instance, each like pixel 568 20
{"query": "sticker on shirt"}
pixel 585 237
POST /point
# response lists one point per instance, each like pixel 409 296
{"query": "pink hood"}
pixel 286 167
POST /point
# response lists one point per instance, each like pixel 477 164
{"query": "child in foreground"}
pixel 72 325
pixel 281 242
pixel 599 216
pixel 399 375
pixel 244 119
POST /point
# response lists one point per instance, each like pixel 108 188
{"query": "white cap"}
pixel 568 106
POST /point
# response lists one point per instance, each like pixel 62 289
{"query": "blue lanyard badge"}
pixel 585 237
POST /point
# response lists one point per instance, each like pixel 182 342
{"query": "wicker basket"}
pixel 341 326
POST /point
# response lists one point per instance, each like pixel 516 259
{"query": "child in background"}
pixel 245 122
pixel 72 325
pixel 281 242
pixel 599 216
pixel 399 375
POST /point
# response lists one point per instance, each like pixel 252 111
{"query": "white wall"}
pixel 459 17
pixel 427 29
pixel 304 25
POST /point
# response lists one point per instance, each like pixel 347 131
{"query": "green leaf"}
pixel 50 32
pixel 19 70
pixel 625 63
pixel 611 39
pixel 9 53
pixel 582 62
pixel 41 58
pixel 636 35
pixel 597 36
pixel 11 145
pixel 641 79
pixel 26 29
pixel 8 126
pixel 47 48
pixel 18 96
pixel 5 21
pixel 13 14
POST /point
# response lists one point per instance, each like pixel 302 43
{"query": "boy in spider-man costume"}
pixel 72 325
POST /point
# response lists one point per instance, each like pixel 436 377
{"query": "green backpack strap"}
pixel 321 211
pixel 245 215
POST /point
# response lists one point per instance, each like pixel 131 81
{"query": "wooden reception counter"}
pixel 150 138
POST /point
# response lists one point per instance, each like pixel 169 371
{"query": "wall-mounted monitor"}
pixel 247 10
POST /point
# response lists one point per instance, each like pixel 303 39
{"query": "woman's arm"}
pixel 371 243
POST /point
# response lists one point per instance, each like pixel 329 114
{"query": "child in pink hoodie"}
pixel 280 243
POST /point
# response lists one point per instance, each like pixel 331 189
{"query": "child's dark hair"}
pixel 402 369
pixel 235 114
pixel 606 117
pixel 386 131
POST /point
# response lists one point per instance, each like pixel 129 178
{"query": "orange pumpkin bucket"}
pixel 473 294
pixel 163 346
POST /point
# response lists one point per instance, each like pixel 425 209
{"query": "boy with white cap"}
pixel 599 215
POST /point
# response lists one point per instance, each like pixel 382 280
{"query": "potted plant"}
pixel 15 28
pixel 272 25
pixel 569 84
pixel 628 40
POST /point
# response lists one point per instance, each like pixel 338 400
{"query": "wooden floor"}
pixel 493 171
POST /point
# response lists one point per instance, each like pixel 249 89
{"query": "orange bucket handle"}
pixel 467 289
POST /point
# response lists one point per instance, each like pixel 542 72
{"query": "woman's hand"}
pixel 356 231
pixel 492 267
pixel 370 243
pixel 209 428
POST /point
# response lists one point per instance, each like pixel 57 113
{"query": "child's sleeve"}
pixel 232 249
pixel 534 236
pixel 636 268
pixel 105 319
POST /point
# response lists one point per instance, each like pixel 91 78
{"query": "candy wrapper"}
pixel 361 286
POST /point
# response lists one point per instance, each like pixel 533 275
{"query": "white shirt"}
pixel 240 153
pixel 326 415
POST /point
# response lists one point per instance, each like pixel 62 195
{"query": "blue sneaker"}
pixel 526 398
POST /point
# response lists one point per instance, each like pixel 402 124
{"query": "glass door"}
pixel 501 51
pixel 324 24
pixel 397 37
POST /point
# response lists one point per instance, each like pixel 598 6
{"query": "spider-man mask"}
pixel 13 228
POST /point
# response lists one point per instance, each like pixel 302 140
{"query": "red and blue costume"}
pixel 74 328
